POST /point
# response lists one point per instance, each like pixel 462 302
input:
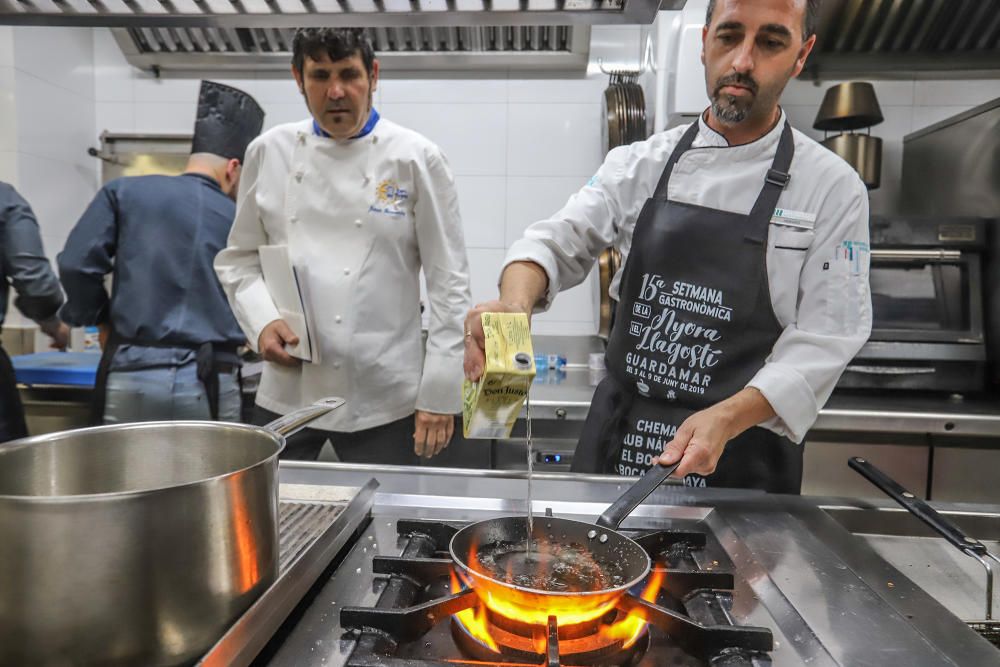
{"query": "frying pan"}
pixel 577 571
pixel 988 628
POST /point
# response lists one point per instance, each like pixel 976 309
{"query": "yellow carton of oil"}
pixel 491 406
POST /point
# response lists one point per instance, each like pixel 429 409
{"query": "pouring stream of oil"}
pixel 531 468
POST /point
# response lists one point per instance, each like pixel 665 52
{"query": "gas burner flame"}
pixel 535 607
pixel 474 619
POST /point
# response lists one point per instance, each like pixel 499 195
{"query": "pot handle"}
pixel 296 420
pixel 635 494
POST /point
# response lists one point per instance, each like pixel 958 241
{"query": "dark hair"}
pixel 338 43
pixel 809 22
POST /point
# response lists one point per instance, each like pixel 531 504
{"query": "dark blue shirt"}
pixel 160 235
pixel 23 263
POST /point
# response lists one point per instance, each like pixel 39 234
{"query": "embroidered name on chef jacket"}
pixel 389 198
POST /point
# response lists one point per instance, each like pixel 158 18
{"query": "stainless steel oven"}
pixel 927 306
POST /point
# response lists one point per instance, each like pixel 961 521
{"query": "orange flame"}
pixel 474 619
pixel 535 609
pixel 630 628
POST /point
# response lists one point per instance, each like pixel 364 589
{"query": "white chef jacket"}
pixel 360 218
pixel 817 252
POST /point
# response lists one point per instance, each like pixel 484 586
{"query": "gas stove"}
pixel 740 579
pixel 426 617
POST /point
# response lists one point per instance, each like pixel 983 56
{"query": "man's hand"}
pixel 475 338
pixel 271 344
pixel 522 285
pixel 433 433
pixel 698 443
pixel 702 437
pixel 59 332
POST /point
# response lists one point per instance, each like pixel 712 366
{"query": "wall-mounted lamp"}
pixel 848 107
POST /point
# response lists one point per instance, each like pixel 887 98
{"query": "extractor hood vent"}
pixel 906 37
pixel 345 13
pixel 553 47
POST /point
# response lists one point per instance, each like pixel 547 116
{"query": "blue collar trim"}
pixel 366 130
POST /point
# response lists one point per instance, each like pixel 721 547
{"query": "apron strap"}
pixel 775 181
pixel 212 360
pixel 687 139
pixel 99 400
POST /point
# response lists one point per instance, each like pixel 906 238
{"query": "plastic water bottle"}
pixel 91 339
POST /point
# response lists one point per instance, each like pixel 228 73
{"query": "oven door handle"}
pixel 916 255
pixel 891 370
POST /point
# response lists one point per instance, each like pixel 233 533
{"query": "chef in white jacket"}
pixel 744 291
pixel 362 205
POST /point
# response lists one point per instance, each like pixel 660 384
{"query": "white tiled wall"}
pixel 906 105
pixel 8 109
pixel 51 93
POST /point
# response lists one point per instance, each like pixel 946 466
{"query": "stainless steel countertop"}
pixel 567 395
pixel 828 595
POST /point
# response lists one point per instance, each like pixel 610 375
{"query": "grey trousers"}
pixel 168 393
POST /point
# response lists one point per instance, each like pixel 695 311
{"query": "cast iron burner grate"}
pixel 412 623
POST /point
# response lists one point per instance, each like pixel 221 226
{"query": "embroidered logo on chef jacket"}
pixel 848 306
pixel 389 198
pixel 790 218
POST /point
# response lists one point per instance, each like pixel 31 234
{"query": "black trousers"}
pixel 390 443
pixel 12 424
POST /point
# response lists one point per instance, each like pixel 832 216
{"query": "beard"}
pixel 731 109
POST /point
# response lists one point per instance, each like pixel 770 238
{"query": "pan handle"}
pixel 942 526
pixel 296 420
pixel 917 507
pixel 635 494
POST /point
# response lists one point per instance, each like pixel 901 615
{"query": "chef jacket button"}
pixel 337 319
pixel 336 364
pixel 292 218
pixel 298 176
pixel 347 272
pixel 357 223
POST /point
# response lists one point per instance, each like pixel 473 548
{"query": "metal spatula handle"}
pixel 635 494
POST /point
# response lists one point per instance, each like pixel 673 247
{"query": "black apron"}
pixel 694 324
pixel 211 358
pixel 12 424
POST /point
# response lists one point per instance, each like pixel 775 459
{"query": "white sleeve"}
pixel 238 264
pixel 567 244
pixel 441 245
pixel 833 316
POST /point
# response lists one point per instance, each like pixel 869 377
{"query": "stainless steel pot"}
pixel 136 544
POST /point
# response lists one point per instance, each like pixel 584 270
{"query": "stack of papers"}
pixel 289 296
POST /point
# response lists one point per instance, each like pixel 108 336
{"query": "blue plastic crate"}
pixel 78 369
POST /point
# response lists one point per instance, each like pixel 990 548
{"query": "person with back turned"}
pixel 171 339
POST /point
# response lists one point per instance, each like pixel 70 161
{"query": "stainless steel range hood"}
pixel 906 37
pixel 197 49
pixel 347 13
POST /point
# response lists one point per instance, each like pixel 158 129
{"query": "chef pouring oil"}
pixel 491 406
